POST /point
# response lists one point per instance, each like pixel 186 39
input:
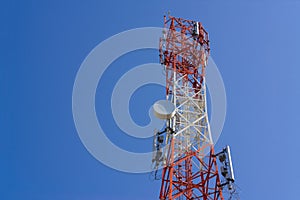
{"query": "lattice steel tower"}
pixel 184 149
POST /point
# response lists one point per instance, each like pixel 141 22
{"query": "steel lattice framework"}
pixel 190 169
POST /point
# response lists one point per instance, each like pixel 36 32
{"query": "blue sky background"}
pixel 254 43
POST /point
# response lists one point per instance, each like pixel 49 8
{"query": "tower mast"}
pixel 189 165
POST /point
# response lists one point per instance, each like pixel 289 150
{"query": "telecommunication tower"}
pixel 184 148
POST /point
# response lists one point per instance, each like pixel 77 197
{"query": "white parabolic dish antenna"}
pixel 164 109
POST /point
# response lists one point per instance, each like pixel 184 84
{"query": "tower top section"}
pixel 184 44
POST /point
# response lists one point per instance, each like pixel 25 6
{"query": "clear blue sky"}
pixel 254 43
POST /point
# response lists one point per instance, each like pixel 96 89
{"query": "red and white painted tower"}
pixel 185 148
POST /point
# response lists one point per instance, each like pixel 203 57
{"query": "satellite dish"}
pixel 164 109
